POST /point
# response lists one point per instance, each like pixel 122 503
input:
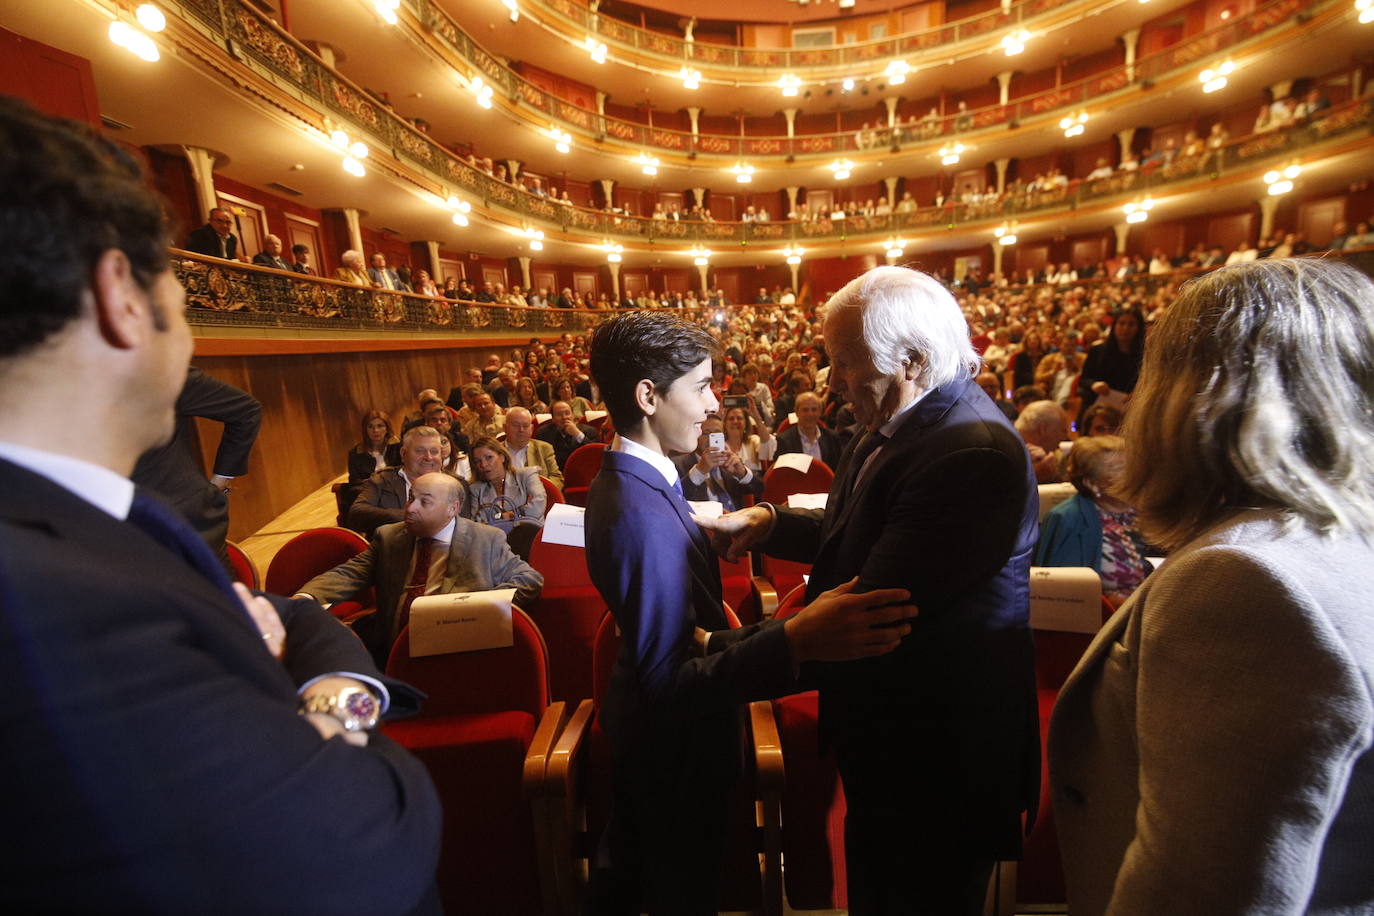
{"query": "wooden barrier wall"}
pixel 312 403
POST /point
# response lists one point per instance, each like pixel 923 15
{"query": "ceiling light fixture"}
pixel 848 84
pixel 840 169
pixel 460 208
pixel 700 256
pixel 743 172
pixel 613 251
pixel 134 41
pixel 150 17
pixel 793 254
pixel 691 79
pixel 387 10
pixel 950 153
pixel 562 140
pixel 481 91
pixel 514 7
pixel 353 167
pixel 1138 211
pixel 1072 125
pixel 597 49
pixel 536 238
pixel 648 164
pixel 1006 235
pixel 1015 43
pixel 1366 8
pixel 789 83
pixel 896 72
pixel 895 248
pixel 1280 181
pixel 1215 79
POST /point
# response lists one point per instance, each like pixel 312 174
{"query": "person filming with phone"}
pixel 715 472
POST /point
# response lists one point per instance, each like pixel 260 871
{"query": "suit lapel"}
pixel 652 478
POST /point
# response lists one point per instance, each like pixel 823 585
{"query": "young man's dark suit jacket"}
pixel 673 718
pixel 205 240
pixel 155 759
pixel 789 440
pixel 947 509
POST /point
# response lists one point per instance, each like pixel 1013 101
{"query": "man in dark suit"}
pixel 171 470
pixel 384 277
pixel 270 256
pixel 181 745
pixel 717 474
pixel 383 498
pixel 462 556
pixel 215 239
pixel 671 712
pixel 564 433
pixel 807 436
pixel 302 263
pixel 937 742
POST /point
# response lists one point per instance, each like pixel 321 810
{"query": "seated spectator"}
pixel 1100 420
pixel 1159 263
pixel 749 437
pixel 270 256
pixel 564 390
pixel 1360 238
pixel 807 436
pixel 1059 370
pixel 216 239
pixel 1113 365
pixel 453 461
pixel 1103 169
pixel 718 475
pixel 525 396
pixel 460 556
pixel 526 451
pixel 383 277
pixel 370 454
pixel 1027 359
pixel 423 284
pixel 352 270
pixel 991 386
pixel 503 389
pixel 1244 251
pixel 439 417
pixel 1313 102
pixel 511 499
pixel 1026 394
pixel 301 253
pixel 383 497
pixel 1218 136
pixel 1043 426
pixel 417 417
pixel 1094 528
pixel 488 420
pixel 564 433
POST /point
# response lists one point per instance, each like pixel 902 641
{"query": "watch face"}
pixel 359 704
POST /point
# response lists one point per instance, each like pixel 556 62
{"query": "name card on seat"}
pixel 592 416
pixel 807 500
pixel 563 525
pixel 1065 598
pixel 464 622
pixel 706 508
pixel 1052 494
pixel 797 461
pixel 542 418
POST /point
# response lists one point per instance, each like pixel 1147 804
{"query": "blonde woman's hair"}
pixel 1088 458
pixel 1257 390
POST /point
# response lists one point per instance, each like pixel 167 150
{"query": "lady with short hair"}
pixel 1094 528
pixel 1212 751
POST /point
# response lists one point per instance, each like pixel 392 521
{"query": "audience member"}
pixel 718 475
pixel 1112 365
pixel 456 555
pixel 807 436
pixel 372 452
pixel 216 239
pixel 1045 427
pixel 564 433
pixel 352 270
pixel 504 496
pixel 526 451
pixel 270 256
pixel 1100 420
pixel 990 384
pixel 1094 528
pixel 301 254
pixel 383 277
pixel 488 420
pixel 383 497
pixel 749 437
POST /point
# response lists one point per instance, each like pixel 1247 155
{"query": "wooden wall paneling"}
pixel 1088 251
pixel 585 282
pixel 302 231
pixel 677 281
pixel 1032 257
pixel 1316 218
pixel 545 278
pixel 493 275
pixel 970 180
pixel 52 80
pixel 823 198
pixel 1166 237
pixel 1230 230
pixel 634 283
pixel 449 267
pixel 250 221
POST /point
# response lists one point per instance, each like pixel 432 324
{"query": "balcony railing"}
pixel 1191 52
pixel 578 16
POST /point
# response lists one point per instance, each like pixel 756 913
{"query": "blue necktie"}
pixel 677 488
pixel 171 531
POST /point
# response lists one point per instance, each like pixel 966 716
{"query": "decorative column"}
pixel 701 271
pixel 1003 87
pixel 1124 137
pixel 694 114
pixel 792 198
pixel 698 196
pixel 891 103
pixel 891 184
pixel 789 113
pixel 1001 165
pixel 513 167
pixel 997 252
pixel 433 249
pixel 355 229
pixel 1122 230
pixel 1281 89
pixel 1131 40
pixel 601 111
pixel 608 189
pixel 615 281
pixel 202 163
pixel 1269 205
pixel 796 272
pixel 525 272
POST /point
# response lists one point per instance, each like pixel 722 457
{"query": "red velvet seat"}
pixel 484 734
pixel 581 467
pixel 552 495
pixel 245 570
pixel 312 552
pixel 780 483
pixel 567 613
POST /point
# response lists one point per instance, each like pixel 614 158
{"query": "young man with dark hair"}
pixel 158 762
pixel 671 710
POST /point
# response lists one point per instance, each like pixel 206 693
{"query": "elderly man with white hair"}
pixel 352 270
pixel 270 256
pixel 937 742
pixel 1044 426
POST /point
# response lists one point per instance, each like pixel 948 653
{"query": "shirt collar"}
pixel 446 535
pixel 99 486
pixel 890 427
pixel 657 460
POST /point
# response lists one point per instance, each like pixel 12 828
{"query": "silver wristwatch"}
pixel 355 707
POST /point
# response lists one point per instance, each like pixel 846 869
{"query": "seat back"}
pixel 791 603
pixel 735 579
pixel 780 483
pixel 567 612
pixel 583 465
pixel 308 554
pixel 245 570
pixel 483 681
pixel 552 495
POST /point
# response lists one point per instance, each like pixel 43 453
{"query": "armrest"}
pixel 541 746
pixel 560 773
pixel 765 595
pixel 349 611
pixel 767 747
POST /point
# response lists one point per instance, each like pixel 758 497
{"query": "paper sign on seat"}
pixel 797 461
pixel 593 415
pixel 542 418
pixel 465 622
pixel 807 500
pixel 563 525
pixel 1065 598
pixel 706 508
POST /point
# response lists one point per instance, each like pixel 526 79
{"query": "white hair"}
pixel 351 257
pixel 908 316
